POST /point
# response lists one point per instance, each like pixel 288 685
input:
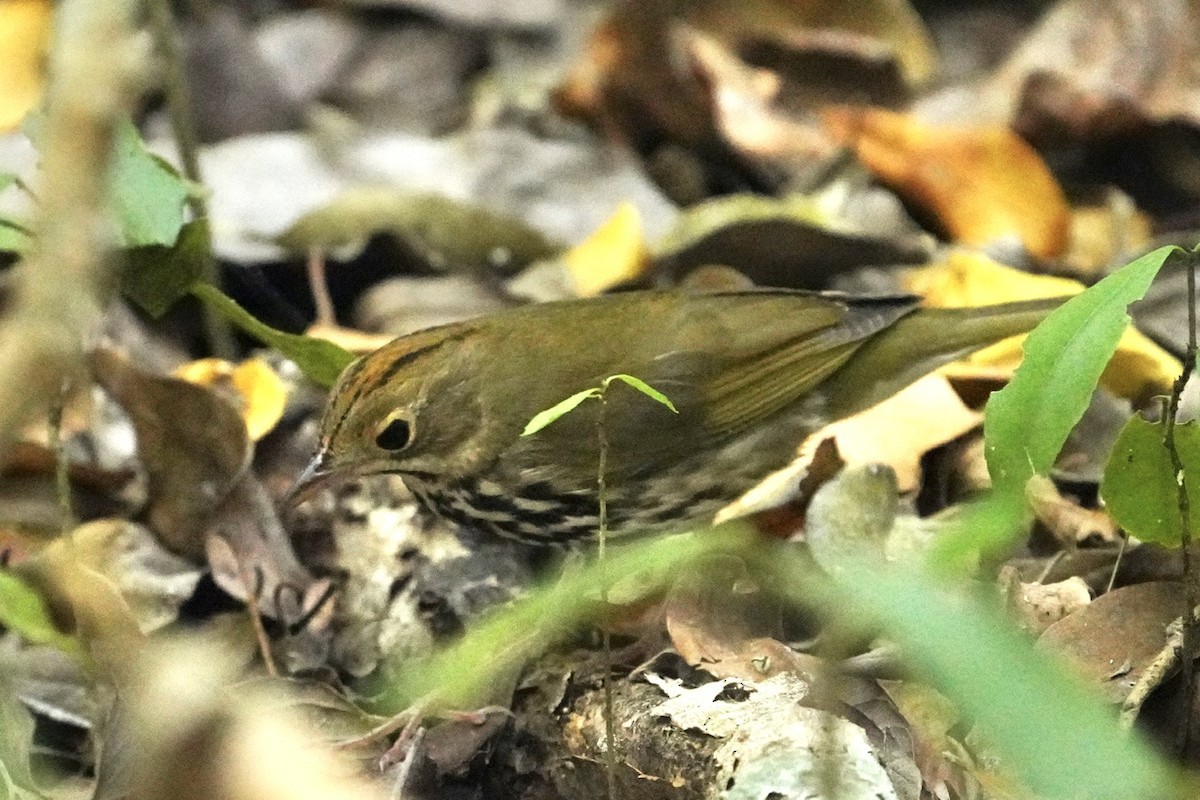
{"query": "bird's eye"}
pixel 394 435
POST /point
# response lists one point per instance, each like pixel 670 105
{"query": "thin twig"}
pixel 1112 576
pixel 1154 675
pixel 179 101
pixel 62 463
pixel 1189 578
pixel 318 286
pixel 610 733
pixel 183 128
pixel 253 586
pixel 1050 565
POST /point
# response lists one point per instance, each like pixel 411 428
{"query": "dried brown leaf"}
pixel 980 184
pixel 191 441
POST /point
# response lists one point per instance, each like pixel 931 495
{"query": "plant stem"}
pixel 610 734
pixel 62 464
pixel 183 127
pixel 1184 505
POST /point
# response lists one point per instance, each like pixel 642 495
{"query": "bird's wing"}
pixel 789 343
pixel 727 362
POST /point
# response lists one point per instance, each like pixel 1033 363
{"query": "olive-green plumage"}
pixel 751 373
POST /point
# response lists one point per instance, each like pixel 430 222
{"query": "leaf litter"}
pixel 804 148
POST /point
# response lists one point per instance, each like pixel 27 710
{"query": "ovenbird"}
pixel 751 373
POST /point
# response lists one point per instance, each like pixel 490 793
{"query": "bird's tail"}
pixel 924 340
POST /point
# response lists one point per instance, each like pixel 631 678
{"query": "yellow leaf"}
pixel 982 184
pixel 24 31
pixel 615 253
pixel 1139 369
pixel 261 393
pixel 897 432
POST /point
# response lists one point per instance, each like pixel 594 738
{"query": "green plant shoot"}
pixel 560 409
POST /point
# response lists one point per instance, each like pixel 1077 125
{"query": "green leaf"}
pixel 157 277
pixel 1027 422
pixel 1027 706
pixel 462 675
pixel 1139 486
pixel 147 194
pixel 318 359
pixel 7 179
pixel 23 610
pixel 544 418
pixel 14 236
pixel 644 388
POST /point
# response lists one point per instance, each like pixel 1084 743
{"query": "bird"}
pixel 750 373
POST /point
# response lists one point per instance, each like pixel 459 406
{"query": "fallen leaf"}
pixel 931 718
pixel 446 233
pixel 251 557
pixel 1070 523
pixel 196 735
pixel 615 253
pixel 714 610
pixel 24 32
pixel 634 79
pixel 1124 626
pixel 1138 370
pixel 84 601
pixel 1103 236
pixel 152 581
pixel 897 432
pixel 191 441
pixel 746 108
pixel 981 184
pixel 1094 69
pixel 259 393
pixel 795 241
pixel 1039 605
pixel 627 81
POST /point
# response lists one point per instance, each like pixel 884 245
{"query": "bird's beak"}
pixel 316 475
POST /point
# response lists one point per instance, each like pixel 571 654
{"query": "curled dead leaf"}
pixel 1095 69
pixel 1040 605
pixel 192 443
pixel 252 559
pixel 1070 523
pixel 981 184
pixel 897 432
